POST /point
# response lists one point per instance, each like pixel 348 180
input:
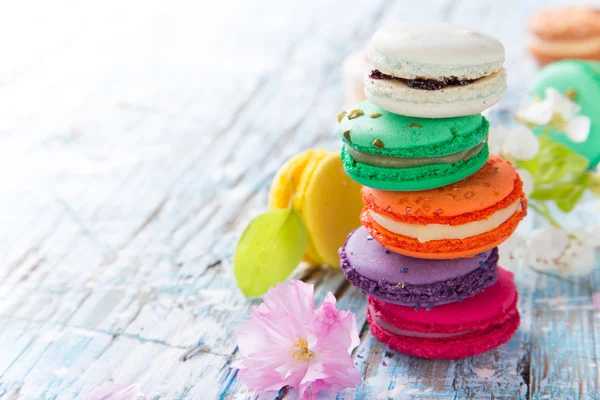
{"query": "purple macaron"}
pixel 415 282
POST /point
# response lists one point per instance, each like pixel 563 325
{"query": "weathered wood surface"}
pixel 138 139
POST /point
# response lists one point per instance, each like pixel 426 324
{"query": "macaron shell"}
pixel 288 176
pixel 584 78
pixel 487 320
pixel 432 295
pixel 441 249
pixel 455 101
pixel 372 261
pixel 413 179
pixel 431 50
pixel 291 179
pixel 437 43
pixel 393 289
pixel 496 185
pixel 410 137
pixel 476 313
pixel 570 22
pixel 330 205
pixel 448 349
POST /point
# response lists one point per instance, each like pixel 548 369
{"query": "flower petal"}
pixel 528 181
pixel 553 249
pixel 546 246
pixel 592 235
pixel 113 391
pixel 280 320
pixel 332 336
pixel 333 328
pixel 561 104
pixel 578 259
pixel 521 143
pixel 269 341
pixel 536 112
pixel 596 301
pixel 578 128
pixel 266 337
pixel 342 380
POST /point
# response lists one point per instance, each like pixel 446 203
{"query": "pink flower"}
pixel 289 342
pixel 596 301
pixel 112 391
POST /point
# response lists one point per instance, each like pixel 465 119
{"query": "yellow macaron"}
pixel 328 201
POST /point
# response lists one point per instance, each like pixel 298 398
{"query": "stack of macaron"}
pixel 436 203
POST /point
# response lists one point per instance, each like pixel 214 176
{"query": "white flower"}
pixel 558 110
pixel 519 142
pixel 592 234
pixel 535 111
pixel 528 181
pixel 555 250
pixel 545 247
pixel 561 104
pixel 577 259
pixel 578 128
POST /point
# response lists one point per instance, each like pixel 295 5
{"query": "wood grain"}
pixel 138 139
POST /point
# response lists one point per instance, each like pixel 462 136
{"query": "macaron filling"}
pixel 567 46
pixel 396 96
pixel 429 232
pixel 379 160
pixel 424 83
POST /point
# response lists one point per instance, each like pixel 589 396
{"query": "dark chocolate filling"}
pixel 424 84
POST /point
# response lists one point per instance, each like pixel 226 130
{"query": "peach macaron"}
pixel 455 221
pixel 568 32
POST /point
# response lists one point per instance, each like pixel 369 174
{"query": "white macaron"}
pixel 435 70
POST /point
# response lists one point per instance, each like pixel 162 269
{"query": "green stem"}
pixel 542 209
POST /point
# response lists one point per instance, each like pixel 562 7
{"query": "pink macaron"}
pixel 450 331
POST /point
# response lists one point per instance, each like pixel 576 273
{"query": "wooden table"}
pixel 139 138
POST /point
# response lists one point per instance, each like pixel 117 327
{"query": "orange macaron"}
pixel 454 221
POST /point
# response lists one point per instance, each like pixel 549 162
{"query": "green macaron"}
pixel 582 79
pixel 387 151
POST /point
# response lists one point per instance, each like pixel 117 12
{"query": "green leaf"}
pixel 269 250
pixel 559 174
pixel 555 192
pixel 555 164
pixel 565 195
pixel 569 201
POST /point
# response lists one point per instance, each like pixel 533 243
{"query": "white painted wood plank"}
pixel 135 165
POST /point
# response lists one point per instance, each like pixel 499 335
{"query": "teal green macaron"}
pixel 582 79
pixel 387 151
